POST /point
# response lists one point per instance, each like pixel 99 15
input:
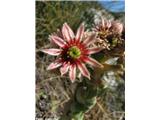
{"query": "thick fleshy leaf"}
pixel 89 39
pixel 60 42
pixel 72 72
pixel 67 32
pixel 64 68
pixel 54 52
pixel 92 62
pixel 93 50
pixel 83 70
pixel 54 65
pixel 80 32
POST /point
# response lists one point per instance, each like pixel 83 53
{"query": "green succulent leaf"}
pixel 78 116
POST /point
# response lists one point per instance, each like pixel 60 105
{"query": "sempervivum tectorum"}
pixel 73 52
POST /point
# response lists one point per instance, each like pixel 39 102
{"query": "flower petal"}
pixel 108 23
pixel 54 52
pixel 80 32
pixel 54 65
pixel 64 68
pixel 72 72
pixel 60 42
pixel 83 70
pixel 103 22
pixel 93 50
pixel 67 32
pixel 89 39
pixel 92 62
pixel 97 27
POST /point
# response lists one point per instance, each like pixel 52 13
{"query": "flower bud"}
pixel 117 27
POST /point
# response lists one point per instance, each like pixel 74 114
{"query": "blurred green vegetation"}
pixel 51 15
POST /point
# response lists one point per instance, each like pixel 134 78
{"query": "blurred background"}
pixel 52 90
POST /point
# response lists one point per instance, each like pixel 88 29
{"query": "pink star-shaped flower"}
pixel 74 52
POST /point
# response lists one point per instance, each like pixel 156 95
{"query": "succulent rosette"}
pixel 74 52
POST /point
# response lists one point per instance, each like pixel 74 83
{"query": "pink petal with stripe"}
pixel 54 65
pixel 67 32
pixel 94 29
pixel 93 50
pixel 103 22
pixel 54 52
pixel 64 68
pixel 90 39
pixel 72 72
pixel 108 24
pixel 57 40
pixel 80 32
pixel 97 27
pixel 92 62
pixel 83 70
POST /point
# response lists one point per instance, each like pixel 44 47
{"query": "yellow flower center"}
pixel 103 34
pixel 74 52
